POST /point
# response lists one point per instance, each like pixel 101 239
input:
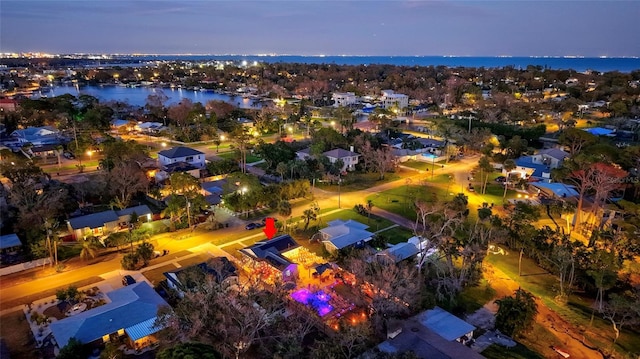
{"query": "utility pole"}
pixel 339 188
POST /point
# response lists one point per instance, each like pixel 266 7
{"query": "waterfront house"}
pixel 391 99
pixel 343 99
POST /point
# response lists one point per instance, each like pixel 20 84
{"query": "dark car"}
pixel 68 155
pixel 128 280
pixel 253 225
pixel 501 179
pixel 471 188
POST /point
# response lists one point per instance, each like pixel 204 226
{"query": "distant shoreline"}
pixel 573 63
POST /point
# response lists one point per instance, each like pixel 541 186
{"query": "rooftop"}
pixel 129 307
pixel 179 152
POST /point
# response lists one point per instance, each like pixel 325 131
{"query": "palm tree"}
pixel 58 151
pixel 284 210
pixel 88 250
pixel 507 166
pixel 308 215
pixel 369 208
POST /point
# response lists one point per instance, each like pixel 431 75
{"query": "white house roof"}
pixel 445 324
pixel 400 251
pixel 130 306
pixel 343 234
pixel 9 241
pixel 179 152
pixel 340 153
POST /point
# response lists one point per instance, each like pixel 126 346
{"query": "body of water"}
pixel 137 96
pixel 581 64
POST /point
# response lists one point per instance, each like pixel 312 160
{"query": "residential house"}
pixel 149 128
pixel 431 334
pixel 527 169
pixel 181 154
pixel 554 190
pixel 212 191
pixel 246 122
pixel 343 99
pixel 551 157
pixel 344 234
pixel 391 99
pixel 7 104
pixel 130 315
pixel 9 243
pixel 220 268
pixel 349 158
pixel 37 136
pixel 274 257
pixel 398 253
pixel 103 223
pixel 600 131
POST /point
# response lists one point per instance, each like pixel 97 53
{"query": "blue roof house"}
pixel 9 242
pixel 344 234
pixel 528 168
pixel 131 313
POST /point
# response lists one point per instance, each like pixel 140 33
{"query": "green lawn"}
pixel 577 310
pixel 474 298
pixel 360 181
pixel 232 155
pixel 520 351
pixel 400 200
pixel 396 235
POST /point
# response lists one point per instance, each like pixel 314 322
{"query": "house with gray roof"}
pixel 432 334
pixel 398 253
pixel 131 313
pixel 344 234
pixel 181 154
pixel 551 157
pixel 349 158
pixel 38 136
pixel 103 223
pixel 185 279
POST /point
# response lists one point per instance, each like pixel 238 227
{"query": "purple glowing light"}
pixel 318 300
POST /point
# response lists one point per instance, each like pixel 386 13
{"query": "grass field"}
pixel 518 352
pixel 232 155
pixel 577 311
pixel 360 181
pixel 155 276
pixel 400 200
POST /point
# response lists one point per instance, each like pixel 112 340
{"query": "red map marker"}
pixel 270 227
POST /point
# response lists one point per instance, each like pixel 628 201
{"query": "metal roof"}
pixel 142 329
pixel 9 241
pixel 445 324
pixel 130 305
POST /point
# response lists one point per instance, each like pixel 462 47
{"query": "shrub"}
pixel 130 261
pixel 61 295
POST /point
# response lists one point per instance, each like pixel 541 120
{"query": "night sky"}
pixel 328 27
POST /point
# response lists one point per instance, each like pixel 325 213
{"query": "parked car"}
pixel 254 225
pixel 128 280
pixel 471 188
pixel 68 155
pixel 501 179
